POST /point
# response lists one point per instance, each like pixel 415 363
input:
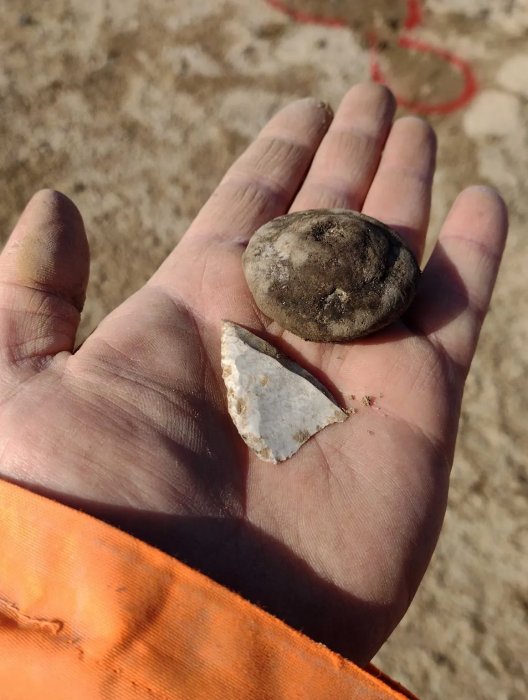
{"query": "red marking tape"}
pixel 413 19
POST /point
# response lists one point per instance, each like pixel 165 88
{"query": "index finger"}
pixel 261 184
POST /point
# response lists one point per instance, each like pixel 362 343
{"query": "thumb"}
pixel 44 271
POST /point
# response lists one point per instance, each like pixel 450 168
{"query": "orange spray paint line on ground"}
pixel 413 19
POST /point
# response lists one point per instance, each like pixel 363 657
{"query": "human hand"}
pixel 132 427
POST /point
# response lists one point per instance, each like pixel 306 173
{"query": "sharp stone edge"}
pixel 275 404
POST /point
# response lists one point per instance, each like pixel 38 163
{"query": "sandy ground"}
pixel 136 109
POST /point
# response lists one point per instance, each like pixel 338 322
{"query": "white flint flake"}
pixel 275 404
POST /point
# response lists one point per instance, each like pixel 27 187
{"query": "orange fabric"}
pixel 89 612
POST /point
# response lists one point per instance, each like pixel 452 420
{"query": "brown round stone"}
pixel 330 274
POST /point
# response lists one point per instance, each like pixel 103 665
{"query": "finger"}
pixel 458 280
pixel 400 194
pixel 43 276
pixel 263 181
pixel 346 161
pixel 205 267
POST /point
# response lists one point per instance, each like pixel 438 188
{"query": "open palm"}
pixel 133 427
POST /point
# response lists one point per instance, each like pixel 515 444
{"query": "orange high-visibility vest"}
pixel 88 612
